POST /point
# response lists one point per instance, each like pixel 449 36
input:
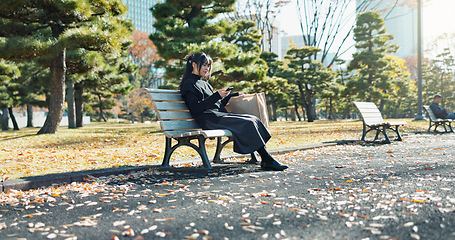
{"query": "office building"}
pixel 401 22
pixel 139 12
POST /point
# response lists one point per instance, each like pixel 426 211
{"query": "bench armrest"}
pixel 205 133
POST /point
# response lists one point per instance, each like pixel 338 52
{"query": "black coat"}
pixel 438 111
pixel 208 109
pixel 202 102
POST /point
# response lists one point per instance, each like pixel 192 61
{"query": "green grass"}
pixel 109 145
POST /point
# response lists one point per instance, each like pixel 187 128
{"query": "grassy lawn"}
pixel 108 145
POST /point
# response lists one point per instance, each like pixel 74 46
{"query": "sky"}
pixel 438 17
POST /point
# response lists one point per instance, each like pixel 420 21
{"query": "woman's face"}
pixel 204 71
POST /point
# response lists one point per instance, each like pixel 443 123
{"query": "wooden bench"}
pixel 177 123
pixel 373 121
pixel 436 122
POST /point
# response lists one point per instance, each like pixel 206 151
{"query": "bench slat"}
pixel 205 133
pixel 430 113
pixel 157 90
pixel 176 106
pixel 370 110
pixel 174 115
pixel 179 125
pixel 370 113
pixel 372 116
pixel 365 105
pixel 166 97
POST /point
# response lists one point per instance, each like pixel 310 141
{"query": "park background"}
pixel 311 58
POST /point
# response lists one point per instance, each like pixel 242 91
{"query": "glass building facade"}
pixel 401 22
pixel 139 12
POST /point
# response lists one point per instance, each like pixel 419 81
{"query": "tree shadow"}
pixel 17 137
pixel 156 175
pixel 169 175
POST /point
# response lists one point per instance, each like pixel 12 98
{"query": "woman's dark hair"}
pixel 200 59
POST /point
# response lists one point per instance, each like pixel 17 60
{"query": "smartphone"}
pixel 229 88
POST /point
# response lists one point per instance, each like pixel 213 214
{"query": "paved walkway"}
pixel 402 190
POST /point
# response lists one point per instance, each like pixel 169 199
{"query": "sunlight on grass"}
pixel 108 145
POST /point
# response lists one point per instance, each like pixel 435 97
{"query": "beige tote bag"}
pixel 253 104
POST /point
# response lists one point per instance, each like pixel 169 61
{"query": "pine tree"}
pixel 8 72
pixel 46 30
pixel 275 88
pixel 186 27
pixel 309 75
pixel 372 81
pixel 110 80
pixel 181 23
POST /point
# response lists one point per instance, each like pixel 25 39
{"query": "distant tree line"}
pixel 63 50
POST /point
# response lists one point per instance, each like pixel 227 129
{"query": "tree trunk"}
pixel 331 113
pixel 309 114
pixel 70 103
pixel 293 118
pixel 29 115
pixel 274 108
pixel 398 111
pixel 442 90
pixel 381 105
pixel 4 119
pixel 296 109
pixel 310 108
pixel 304 114
pixel 13 118
pixel 269 107
pixel 79 103
pixel 305 103
pixel 57 95
pixel 101 117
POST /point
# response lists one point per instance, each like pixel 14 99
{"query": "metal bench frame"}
pixel 373 121
pixel 177 123
pixel 436 122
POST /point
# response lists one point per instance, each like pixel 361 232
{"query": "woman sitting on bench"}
pixel 208 109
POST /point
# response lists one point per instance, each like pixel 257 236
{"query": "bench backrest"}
pixel 430 113
pixel 171 110
pixel 369 112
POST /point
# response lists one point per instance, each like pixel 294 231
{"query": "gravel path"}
pixel 402 190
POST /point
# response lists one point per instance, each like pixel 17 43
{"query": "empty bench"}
pixel 373 121
pixel 436 122
pixel 177 123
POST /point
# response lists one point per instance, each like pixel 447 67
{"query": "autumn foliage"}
pixel 110 145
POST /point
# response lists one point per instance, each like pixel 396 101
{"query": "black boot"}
pixel 268 162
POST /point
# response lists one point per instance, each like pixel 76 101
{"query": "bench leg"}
pixel 436 125
pixel 399 138
pixel 364 133
pixel 429 128
pixel 202 152
pixel 167 153
pixel 219 146
pixel 450 126
pixel 378 130
pixel 384 132
pixel 186 142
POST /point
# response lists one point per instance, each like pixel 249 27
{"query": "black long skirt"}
pixel 248 131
